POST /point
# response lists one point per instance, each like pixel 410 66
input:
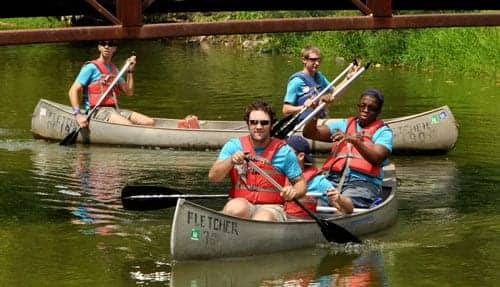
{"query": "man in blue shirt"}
pixel 252 195
pixel 304 85
pixel 94 78
pixel 360 149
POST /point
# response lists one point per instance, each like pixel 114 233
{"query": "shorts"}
pixel 104 113
pixel 361 192
pixel 277 209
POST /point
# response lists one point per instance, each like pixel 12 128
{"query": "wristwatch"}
pixel 76 111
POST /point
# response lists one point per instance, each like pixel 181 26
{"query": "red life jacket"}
pixel 253 186
pixel 291 208
pixel 337 159
pixel 97 88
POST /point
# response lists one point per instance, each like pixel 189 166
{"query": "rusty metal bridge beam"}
pixel 150 31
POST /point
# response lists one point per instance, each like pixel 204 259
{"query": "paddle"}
pixel 293 119
pixel 318 109
pixel 149 197
pixel 71 137
pixel 330 230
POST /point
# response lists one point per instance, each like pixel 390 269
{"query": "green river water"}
pixel 61 220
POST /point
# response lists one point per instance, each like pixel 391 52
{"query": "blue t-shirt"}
pixel 295 88
pixel 320 184
pixel 284 159
pixel 382 136
pixel 90 73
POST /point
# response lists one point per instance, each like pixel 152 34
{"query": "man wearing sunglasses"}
pixel 361 146
pixel 94 79
pixel 305 84
pixel 252 195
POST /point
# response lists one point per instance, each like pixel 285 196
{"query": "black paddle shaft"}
pixel 150 197
pixel 331 231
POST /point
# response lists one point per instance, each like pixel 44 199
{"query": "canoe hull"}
pixel 200 233
pixel 434 131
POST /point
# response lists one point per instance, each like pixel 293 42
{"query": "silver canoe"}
pixel 200 233
pixel 434 131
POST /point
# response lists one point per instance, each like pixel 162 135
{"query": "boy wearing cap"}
pixel 317 183
pixel 361 146
pixel 94 79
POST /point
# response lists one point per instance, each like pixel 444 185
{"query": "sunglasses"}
pixel 368 107
pixel 108 43
pixel 314 59
pixel 261 122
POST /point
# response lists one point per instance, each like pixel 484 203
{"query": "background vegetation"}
pixel 471 50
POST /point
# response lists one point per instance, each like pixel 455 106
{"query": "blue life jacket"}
pixel 315 87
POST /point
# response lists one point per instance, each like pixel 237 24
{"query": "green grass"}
pixel 471 50
pixel 29 23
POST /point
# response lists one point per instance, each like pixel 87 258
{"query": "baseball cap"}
pixel 300 144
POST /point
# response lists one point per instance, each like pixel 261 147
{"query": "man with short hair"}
pixel 304 85
pixel 252 195
pixel 94 79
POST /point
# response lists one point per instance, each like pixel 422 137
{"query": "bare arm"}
pixel 73 93
pixel 128 86
pixel 292 109
pixel 74 99
pixel 374 153
pixel 342 203
pixel 221 168
pixel 297 190
pixel 315 132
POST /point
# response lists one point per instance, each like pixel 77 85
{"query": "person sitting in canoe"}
pixel 305 84
pixel 93 81
pixel 252 195
pixel 317 183
pixel 361 146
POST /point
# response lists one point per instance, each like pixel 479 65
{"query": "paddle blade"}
pixel 336 233
pixel 331 231
pixel 286 129
pixel 70 138
pixel 147 197
pixel 279 125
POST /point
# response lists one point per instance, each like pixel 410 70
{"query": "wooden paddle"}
pixel 331 231
pixel 281 128
pixel 71 137
pixel 150 197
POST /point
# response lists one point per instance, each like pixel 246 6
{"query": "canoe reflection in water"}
pixel 365 269
pixel 318 267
